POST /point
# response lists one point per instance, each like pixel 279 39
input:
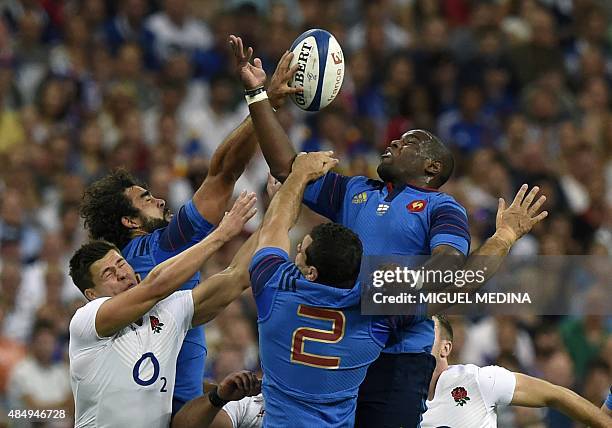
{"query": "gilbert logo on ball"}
pixel 320 70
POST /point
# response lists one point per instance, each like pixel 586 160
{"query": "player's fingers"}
pixel 530 197
pixel 539 217
pixel 255 386
pixel 249 202
pixel 291 71
pixel 285 60
pixel 244 377
pixel 249 54
pixel 257 62
pixel 240 48
pixel 290 90
pixel 249 382
pixel 250 214
pixel 519 195
pixel 243 203
pixel 501 206
pixel 537 205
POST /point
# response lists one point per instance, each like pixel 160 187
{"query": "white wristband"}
pixel 256 98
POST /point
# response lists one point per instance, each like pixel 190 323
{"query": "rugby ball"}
pixel 320 69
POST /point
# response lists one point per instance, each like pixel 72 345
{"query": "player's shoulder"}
pixel 83 321
pixel 462 368
pixel 141 245
pixel 442 201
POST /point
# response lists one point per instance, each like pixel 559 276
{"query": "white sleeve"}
pixel 246 413
pixel 180 305
pixel 497 385
pixel 235 411
pixel 83 324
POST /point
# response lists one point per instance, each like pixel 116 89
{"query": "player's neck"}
pixel 420 182
pixel 441 366
pixel 137 232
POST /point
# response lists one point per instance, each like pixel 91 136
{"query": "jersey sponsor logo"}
pixel 416 206
pixel 156 324
pixel 360 198
pixel 460 395
pixel 382 209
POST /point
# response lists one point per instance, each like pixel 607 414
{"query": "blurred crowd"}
pixel 519 89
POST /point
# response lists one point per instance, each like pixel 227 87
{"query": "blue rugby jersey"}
pixel 186 228
pixel 410 221
pixel 315 346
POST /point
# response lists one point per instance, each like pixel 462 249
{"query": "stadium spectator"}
pixel 39 382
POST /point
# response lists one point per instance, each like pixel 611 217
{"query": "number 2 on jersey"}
pixel 302 334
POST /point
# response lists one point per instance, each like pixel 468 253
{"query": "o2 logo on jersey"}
pixel 150 357
pixel 416 206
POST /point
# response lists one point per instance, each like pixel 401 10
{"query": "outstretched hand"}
pixel 314 164
pixel 279 84
pixel 234 220
pixel 519 218
pixel 251 75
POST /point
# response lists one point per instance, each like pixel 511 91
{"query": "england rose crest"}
pixel 460 395
pixel 156 324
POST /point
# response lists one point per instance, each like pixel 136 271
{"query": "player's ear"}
pixel 446 349
pixel 90 294
pixel 129 222
pixel 311 273
pixel 433 167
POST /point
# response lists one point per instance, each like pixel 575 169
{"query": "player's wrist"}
pixel 215 399
pixel 506 237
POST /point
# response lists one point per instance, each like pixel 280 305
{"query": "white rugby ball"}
pixel 321 69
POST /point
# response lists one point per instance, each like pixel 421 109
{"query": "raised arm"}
pixel 226 165
pixel 533 392
pixel 232 156
pixel 511 223
pixel 123 309
pixel 273 140
pixel 214 294
pixel 285 206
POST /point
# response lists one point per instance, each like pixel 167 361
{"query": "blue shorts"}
pixel 394 391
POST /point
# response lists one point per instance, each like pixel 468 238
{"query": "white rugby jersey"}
pixel 246 413
pixel 127 380
pixel 467 396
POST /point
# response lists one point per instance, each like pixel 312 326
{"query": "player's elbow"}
pixel 552 395
pixel 280 174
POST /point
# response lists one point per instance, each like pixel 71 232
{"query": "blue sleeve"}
pixel 186 228
pixel 325 196
pixel 449 226
pixel 609 400
pixel 264 265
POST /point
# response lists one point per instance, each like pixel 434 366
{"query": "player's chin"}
pixel 385 170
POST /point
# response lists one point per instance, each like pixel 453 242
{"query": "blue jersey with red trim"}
pixel 186 228
pixel 409 221
pixel 315 346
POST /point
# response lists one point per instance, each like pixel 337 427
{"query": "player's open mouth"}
pixel 386 154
